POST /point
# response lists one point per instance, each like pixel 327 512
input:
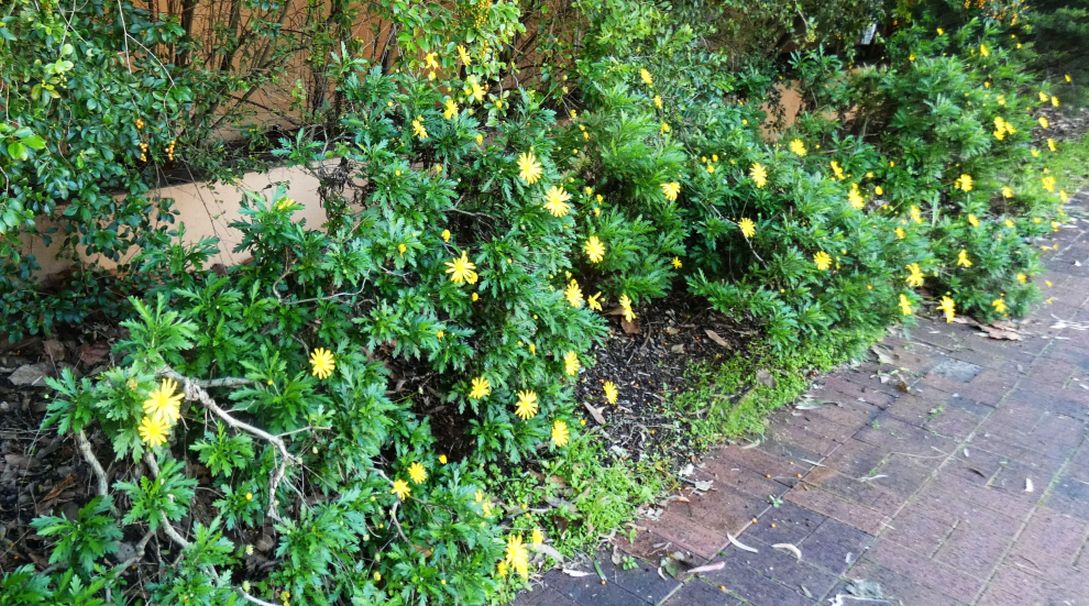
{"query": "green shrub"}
pixel 85 130
pixel 374 410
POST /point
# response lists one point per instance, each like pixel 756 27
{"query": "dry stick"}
pixel 92 460
pixel 137 556
pixel 194 391
pixel 175 536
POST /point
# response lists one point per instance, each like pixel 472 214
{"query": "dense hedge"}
pixel 365 391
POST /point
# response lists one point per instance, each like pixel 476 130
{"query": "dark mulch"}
pixel 40 473
pixel 648 361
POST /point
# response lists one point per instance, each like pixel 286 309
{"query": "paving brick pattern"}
pixel 958 474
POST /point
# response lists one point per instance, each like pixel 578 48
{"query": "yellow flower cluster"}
pixel 854 197
pixel 1002 128
pixel 162 409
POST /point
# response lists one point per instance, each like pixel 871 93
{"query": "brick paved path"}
pixel 972 487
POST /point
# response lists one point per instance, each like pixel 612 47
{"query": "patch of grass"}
pixel 1071 163
pixel 735 398
pixel 585 498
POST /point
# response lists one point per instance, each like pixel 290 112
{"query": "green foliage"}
pixel 383 404
pixel 82 541
pixel 85 129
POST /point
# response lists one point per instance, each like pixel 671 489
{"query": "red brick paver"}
pixel 971 488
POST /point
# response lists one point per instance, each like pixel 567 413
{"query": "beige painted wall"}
pixel 208 210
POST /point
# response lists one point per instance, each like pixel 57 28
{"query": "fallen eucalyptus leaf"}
pixel 743 547
pixel 871 478
pixel 811 404
pixel 792 548
pixel 707 568
pixel 703 485
pixel 714 336
pixel 548 551
pixel 884 355
pixel 764 377
pixel 595 413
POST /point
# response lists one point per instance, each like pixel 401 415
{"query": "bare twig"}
pixel 193 391
pixel 223 382
pixel 173 533
pixel 92 460
pixel 139 555
pixel 255 600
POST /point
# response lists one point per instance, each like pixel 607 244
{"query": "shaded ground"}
pixel 39 471
pixel 970 487
pixel 648 362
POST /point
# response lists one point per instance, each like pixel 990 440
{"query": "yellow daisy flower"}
pixel 625 307
pixel 461 269
pixel 322 363
pixel 480 388
pixel 837 171
pixel 573 293
pixel 611 392
pixel 450 109
pixel 571 363
pixel 560 434
pixel 962 259
pixel 517 556
pixel 905 305
pixel 527 405
pixel 644 74
pixel 529 169
pixel 401 489
pixel 854 197
pixel 163 404
pixel 556 201
pixel 417 473
pixel 153 431
pixel 759 174
pixel 418 128
pixel 949 308
pixel 748 228
pixel 595 249
pixel 671 190
pixel 915 277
